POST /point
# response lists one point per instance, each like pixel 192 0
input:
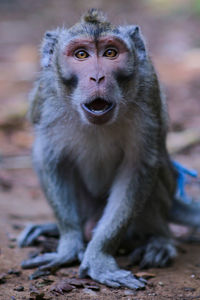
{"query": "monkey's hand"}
pixel 103 268
pixel 30 234
pixel 70 249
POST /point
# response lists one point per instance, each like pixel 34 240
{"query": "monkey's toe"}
pixel 123 278
pixel 38 261
pixel 30 234
pixel 158 252
pixel 107 272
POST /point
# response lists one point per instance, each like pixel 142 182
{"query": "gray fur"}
pixel 124 161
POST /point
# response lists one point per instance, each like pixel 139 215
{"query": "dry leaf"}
pixel 61 287
pixel 86 283
pixel 66 285
pixel 145 275
pixel 34 292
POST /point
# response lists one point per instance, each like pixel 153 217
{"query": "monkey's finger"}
pixel 149 258
pixel 44 229
pixel 161 258
pixel 132 282
pixel 38 261
pixel 137 254
pixel 168 255
pixel 57 262
pixel 33 236
pixel 22 240
pixel 123 278
pixel 111 283
pixel 120 274
pixel 32 232
pixel 38 274
pixel 164 258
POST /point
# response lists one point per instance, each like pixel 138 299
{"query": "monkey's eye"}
pixel 81 54
pixel 110 53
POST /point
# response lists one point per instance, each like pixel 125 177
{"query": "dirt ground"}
pixel 172 32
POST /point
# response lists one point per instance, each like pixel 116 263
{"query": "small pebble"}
pixel 89 292
pixel 151 284
pixel 189 289
pixel 130 293
pixel 192 276
pixel 14 272
pixel 19 288
pixel 161 283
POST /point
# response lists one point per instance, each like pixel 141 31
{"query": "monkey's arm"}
pixel 60 192
pixel 125 196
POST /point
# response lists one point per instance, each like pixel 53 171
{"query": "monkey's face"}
pixel 96 71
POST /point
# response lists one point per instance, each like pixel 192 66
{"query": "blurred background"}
pixel 172 32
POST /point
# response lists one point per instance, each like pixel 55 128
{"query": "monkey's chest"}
pixel 98 174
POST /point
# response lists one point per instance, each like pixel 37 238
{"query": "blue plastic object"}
pixel 184 175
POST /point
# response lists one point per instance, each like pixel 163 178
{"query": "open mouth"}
pixel 98 111
pixel 98 106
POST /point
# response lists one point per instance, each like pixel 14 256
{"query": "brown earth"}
pixel 172 31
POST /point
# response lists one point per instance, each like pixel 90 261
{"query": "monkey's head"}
pixel 95 63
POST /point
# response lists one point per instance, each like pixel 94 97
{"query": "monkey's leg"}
pixel 159 249
pixel 31 232
pixel 98 261
pixel 60 191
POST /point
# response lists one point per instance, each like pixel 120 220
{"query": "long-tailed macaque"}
pixel 100 153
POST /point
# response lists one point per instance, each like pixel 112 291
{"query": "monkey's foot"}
pixel 104 269
pixel 70 249
pixel 158 252
pixel 48 262
pixel 30 234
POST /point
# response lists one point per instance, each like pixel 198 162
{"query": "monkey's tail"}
pixel 185 210
pixel 185 213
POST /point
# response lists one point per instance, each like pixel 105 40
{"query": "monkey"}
pixel 100 121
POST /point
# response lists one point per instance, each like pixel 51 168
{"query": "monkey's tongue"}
pixel 98 106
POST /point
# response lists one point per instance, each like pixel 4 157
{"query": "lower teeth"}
pixel 98 111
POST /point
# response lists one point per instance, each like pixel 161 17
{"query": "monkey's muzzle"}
pixel 98 111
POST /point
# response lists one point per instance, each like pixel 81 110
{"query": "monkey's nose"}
pixel 97 79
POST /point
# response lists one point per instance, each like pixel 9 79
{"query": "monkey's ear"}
pixel 48 46
pixel 136 36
